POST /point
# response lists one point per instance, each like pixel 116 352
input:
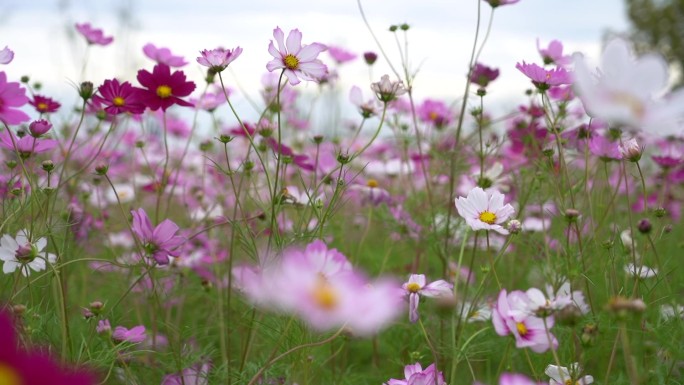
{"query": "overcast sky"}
pixel 41 34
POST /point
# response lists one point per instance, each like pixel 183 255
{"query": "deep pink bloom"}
pixel 159 242
pixel 12 95
pixel 544 79
pixel 340 55
pixel 496 3
pixel 26 145
pixel 417 286
pixel 415 375
pixel 93 35
pixel 39 127
pixel 435 112
pixel 370 57
pixel 297 60
pixel 120 97
pixel 163 56
pixel 6 55
pixel 483 75
pixel 134 335
pixel 218 59
pixel 164 89
pixel 44 105
pixel 33 367
pixel 554 53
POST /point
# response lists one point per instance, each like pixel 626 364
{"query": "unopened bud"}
pixel 48 166
pixel 644 226
pixel 86 90
pixel 514 226
pixel 101 169
pixel 370 57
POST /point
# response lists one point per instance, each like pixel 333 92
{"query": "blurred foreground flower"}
pixel 93 35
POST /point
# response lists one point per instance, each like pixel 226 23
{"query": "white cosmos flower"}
pixel 627 90
pixel 484 210
pixel 20 253
pixel 560 375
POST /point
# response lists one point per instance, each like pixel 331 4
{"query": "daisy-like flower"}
pixel 560 375
pixel 6 55
pixel 368 108
pixel 417 286
pixel 44 105
pixel 387 90
pixel 553 54
pixel 483 75
pixel 27 145
pixel 120 97
pixel 340 55
pixel 484 210
pixel 161 241
pixel 163 56
pixel 164 88
pixel 20 253
pixel 297 60
pixel 415 375
pixel 12 95
pixel 93 35
pixel 134 335
pixel 511 316
pixel 627 88
pixel 218 59
pixel 544 79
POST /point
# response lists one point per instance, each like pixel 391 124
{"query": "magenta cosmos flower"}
pixel 163 56
pixel 6 55
pixel 44 105
pixel 164 89
pixel 120 97
pixel 27 145
pixel 417 286
pixel 340 55
pixel 415 375
pixel 134 335
pixel 12 95
pixel 218 59
pixel 159 242
pixel 93 35
pixel 21 367
pixel 544 79
pixel 297 60
pixel 484 210
pixel 483 75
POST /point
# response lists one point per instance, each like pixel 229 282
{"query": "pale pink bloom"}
pixel 18 252
pixel 93 35
pixel 103 327
pixel 565 296
pixel 6 55
pixel 159 242
pixel 553 54
pixel 194 375
pixel 631 150
pixel 560 375
pixel 484 210
pixel 604 148
pixel 415 375
pixel 368 108
pixel 297 60
pixel 544 79
pixel 417 286
pixel 516 379
pixel 134 335
pixel 218 59
pixel 163 56
pixel 627 90
pixel 387 90
pixel 340 55
pixel 511 316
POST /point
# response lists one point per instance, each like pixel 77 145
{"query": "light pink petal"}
pixel 311 51
pixel 438 289
pixel 280 37
pixel 294 43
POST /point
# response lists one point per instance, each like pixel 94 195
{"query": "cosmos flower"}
pixel 20 253
pixel 417 286
pixel 484 210
pixel 560 375
pixel 27 145
pixel 483 75
pixel 164 89
pixel 6 55
pixel 93 35
pixel 435 112
pixel 134 335
pixel 12 95
pixel 387 90
pixel 120 97
pixel 544 79
pixel 553 54
pixel 627 90
pixel 415 375
pixel 340 55
pixel 44 105
pixel 511 316
pixel 219 58
pixel 516 379
pixel 368 108
pixel 297 60
pixel 163 56
pixel 161 241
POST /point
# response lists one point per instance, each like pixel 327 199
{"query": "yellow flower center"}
pixel 325 296
pixel 413 287
pixel 433 116
pixel 634 104
pixel 372 183
pixel 291 62
pixel 119 101
pixel 42 106
pixel 488 217
pixel 163 91
pixel 9 376
pixel 522 329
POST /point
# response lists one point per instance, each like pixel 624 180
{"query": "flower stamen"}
pixel 487 217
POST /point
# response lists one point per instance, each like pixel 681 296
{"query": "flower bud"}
pixel 101 169
pixel 39 127
pixel 631 150
pixel 48 166
pixel 370 57
pixel 86 90
pixel 644 226
pixel 514 226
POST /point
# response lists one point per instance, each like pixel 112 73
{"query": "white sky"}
pixel 41 34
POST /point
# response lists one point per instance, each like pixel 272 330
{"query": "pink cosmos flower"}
pixel 484 210
pixel 297 60
pixel 163 56
pixel 511 316
pixel 516 379
pixel 627 90
pixel 164 89
pixel 6 55
pixel 26 145
pixel 340 55
pixel 44 104
pixel 93 35
pixel 435 112
pixel 159 242
pixel 544 79
pixel 12 95
pixel 604 148
pixel 415 375
pixel 553 54
pixel 134 335
pixel 39 127
pixel 31 367
pixel 194 375
pixel 387 90
pixel 368 108
pixel 416 286
pixel 483 75
pixel 218 59
pixel 120 97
